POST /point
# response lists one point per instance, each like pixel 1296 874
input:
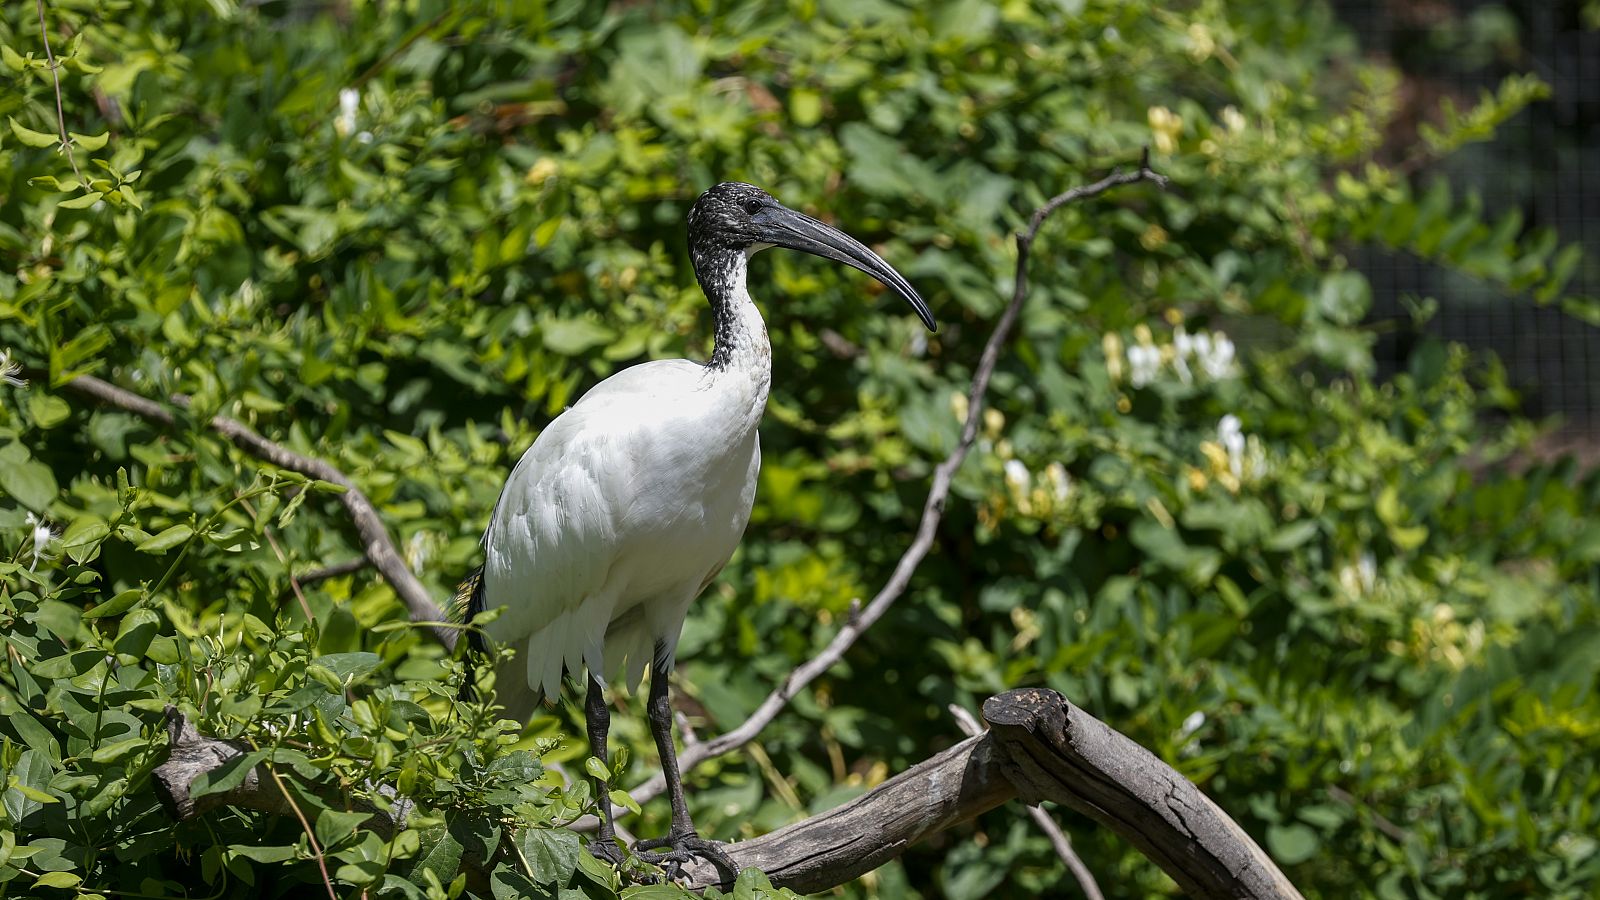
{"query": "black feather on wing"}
pixel 464 607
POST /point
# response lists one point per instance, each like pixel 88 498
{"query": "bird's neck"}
pixel 740 345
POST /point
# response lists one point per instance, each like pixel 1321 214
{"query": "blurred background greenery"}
pixel 1342 597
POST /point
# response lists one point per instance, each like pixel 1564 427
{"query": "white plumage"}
pixel 622 511
pixel 632 501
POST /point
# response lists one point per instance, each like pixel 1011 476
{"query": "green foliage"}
pixel 1322 597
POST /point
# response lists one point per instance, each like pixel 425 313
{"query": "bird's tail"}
pixel 464 608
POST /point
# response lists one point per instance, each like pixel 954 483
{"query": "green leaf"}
pixel 596 768
pixel 551 853
pixel 1291 844
pixel 269 854
pixel 83 536
pixel 227 776
pixel 574 337
pixel 90 142
pixel 346 667
pixel 751 885
pixel 805 107
pixel 334 826
pixel 29 482
pixel 110 753
pixel 83 202
pixel 166 540
pixel 29 778
pixel 134 635
pixel 30 137
pixel 517 767
pixel 507 883
pixel 626 801
pixel 58 880
pixel 441 855
pixel 49 182
pixel 35 794
pixel 1292 535
pixel 652 892
pixel 116 606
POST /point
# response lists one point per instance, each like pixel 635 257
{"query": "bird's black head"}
pixel 737 218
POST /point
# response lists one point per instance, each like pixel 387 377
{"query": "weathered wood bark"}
pixel 1039 747
pixel 1052 750
pixel 848 841
pixel 192 754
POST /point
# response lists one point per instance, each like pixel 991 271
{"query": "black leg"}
pixel 660 712
pixel 604 846
pixel 682 842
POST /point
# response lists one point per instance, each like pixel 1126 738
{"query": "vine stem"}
pixel 55 75
pixel 322 863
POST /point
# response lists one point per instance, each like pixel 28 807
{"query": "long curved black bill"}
pixel 783 227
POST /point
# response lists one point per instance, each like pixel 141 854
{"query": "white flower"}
pixel 1182 348
pixel 1144 362
pixel 1217 361
pixel 1367 569
pixel 43 534
pixel 1231 436
pixel 1182 341
pixel 1018 478
pixel 1192 723
pixel 349 104
pixel 1060 481
pixel 418 551
pixel 11 370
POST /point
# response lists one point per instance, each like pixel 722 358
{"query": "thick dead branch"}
pixel 376 543
pixel 1039 747
pixel 1052 831
pixel 1052 750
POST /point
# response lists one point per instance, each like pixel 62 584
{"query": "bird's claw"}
pixel 673 852
pixel 606 851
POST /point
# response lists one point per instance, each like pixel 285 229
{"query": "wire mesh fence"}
pixel 1545 164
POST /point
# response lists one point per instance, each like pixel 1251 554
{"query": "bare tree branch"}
pixel 348 567
pixel 1052 750
pixel 1058 838
pixel 932 508
pixel 376 543
pixel 1039 747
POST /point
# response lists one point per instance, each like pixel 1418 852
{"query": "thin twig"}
pixel 55 74
pixel 376 542
pixel 932 509
pixel 311 836
pixel 294 583
pixel 323 574
pixel 686 730
pixel 1379 821
pixel 1058 839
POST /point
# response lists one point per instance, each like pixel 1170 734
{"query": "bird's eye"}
pixel 752 206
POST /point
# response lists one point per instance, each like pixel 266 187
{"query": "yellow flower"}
pixel 1167 126
pixel 542 171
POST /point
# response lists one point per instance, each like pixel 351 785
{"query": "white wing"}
pixel 553 540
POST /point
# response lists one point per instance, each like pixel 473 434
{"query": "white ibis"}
pixel 633 499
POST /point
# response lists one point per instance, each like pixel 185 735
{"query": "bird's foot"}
pixel 674 851
pixel 606 851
